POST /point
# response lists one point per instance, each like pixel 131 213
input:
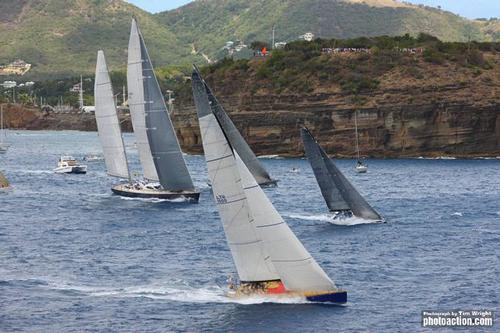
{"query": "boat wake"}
pixel 330 218
pixel 156 200
pixel 186 294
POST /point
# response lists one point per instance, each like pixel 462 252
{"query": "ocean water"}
pixel 75 258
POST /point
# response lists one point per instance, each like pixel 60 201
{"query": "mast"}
pixel 80 93
pixel 1 124
pixel 108 124
pixel 356 127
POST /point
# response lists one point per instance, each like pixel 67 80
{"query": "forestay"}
pixel 136 102
pixel 167 155
pixel 355 202
pixel 108 124
pixel 251 260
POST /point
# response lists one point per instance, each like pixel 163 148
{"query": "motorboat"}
pixel 68 164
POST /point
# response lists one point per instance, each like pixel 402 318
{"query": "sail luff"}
pixel 136 103
pixel 167 155
pixel 296 267
pixel 108 124
pixel 249 256
pixel 236 139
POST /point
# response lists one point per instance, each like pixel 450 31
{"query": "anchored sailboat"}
pixel 233 135
pixel 360 166
pixel 340 195
pixel 269 258
pixel 4 146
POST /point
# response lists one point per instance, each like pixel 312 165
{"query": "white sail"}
pixel 296 267
pixel 108 124
pixel 136 102
pixel 252 262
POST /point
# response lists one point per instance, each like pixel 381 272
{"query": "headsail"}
pixel 167 155
pixel 251 260
pixel 136 103
pixel 236 139
pixel 108 124
pixel 337 191
pixel 296 267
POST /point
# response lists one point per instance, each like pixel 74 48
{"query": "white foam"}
pixel 330 219
pixel 210 294
pixel 457 214
pixel 155 200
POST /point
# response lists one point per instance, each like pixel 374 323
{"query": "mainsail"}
pixel 263 246
pixel 135 82
pixel 251 260
pixel 235 138
pixel 167 155
pixel 338 192
pixel 108 125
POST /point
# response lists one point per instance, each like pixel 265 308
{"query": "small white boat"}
pixel 68 164
pixel 361 168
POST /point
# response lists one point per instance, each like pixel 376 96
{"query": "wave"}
pixel 459 214
pixel 271 157
pixel 350 221
pixel 156 200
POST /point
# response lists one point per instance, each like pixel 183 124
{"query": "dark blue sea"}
pixel 75 258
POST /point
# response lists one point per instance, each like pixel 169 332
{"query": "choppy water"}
pixel 73 257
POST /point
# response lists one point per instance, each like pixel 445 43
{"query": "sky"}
pixel 466 8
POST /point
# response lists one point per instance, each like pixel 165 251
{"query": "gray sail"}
pixel 236 139
pixel 167 155
pixel 338 192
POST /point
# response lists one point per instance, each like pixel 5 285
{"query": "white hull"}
pixel 361 169
pixel 72 169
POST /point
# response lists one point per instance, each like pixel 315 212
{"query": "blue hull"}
pixel 337 298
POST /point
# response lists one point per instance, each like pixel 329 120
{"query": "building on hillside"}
pixel 279 45
pixel 18 67
pixel 9 84
pixel 308 36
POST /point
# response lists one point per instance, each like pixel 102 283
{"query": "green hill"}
pixel 61 37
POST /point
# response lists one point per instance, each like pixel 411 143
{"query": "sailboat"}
pixel 360 166
pixel 165 171
pixel 270 260
pixel 340 195
pixel 234 136
pixel 4 146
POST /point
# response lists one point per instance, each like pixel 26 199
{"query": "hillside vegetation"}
pixel 60 38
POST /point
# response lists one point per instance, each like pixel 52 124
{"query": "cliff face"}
pixel 271 126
